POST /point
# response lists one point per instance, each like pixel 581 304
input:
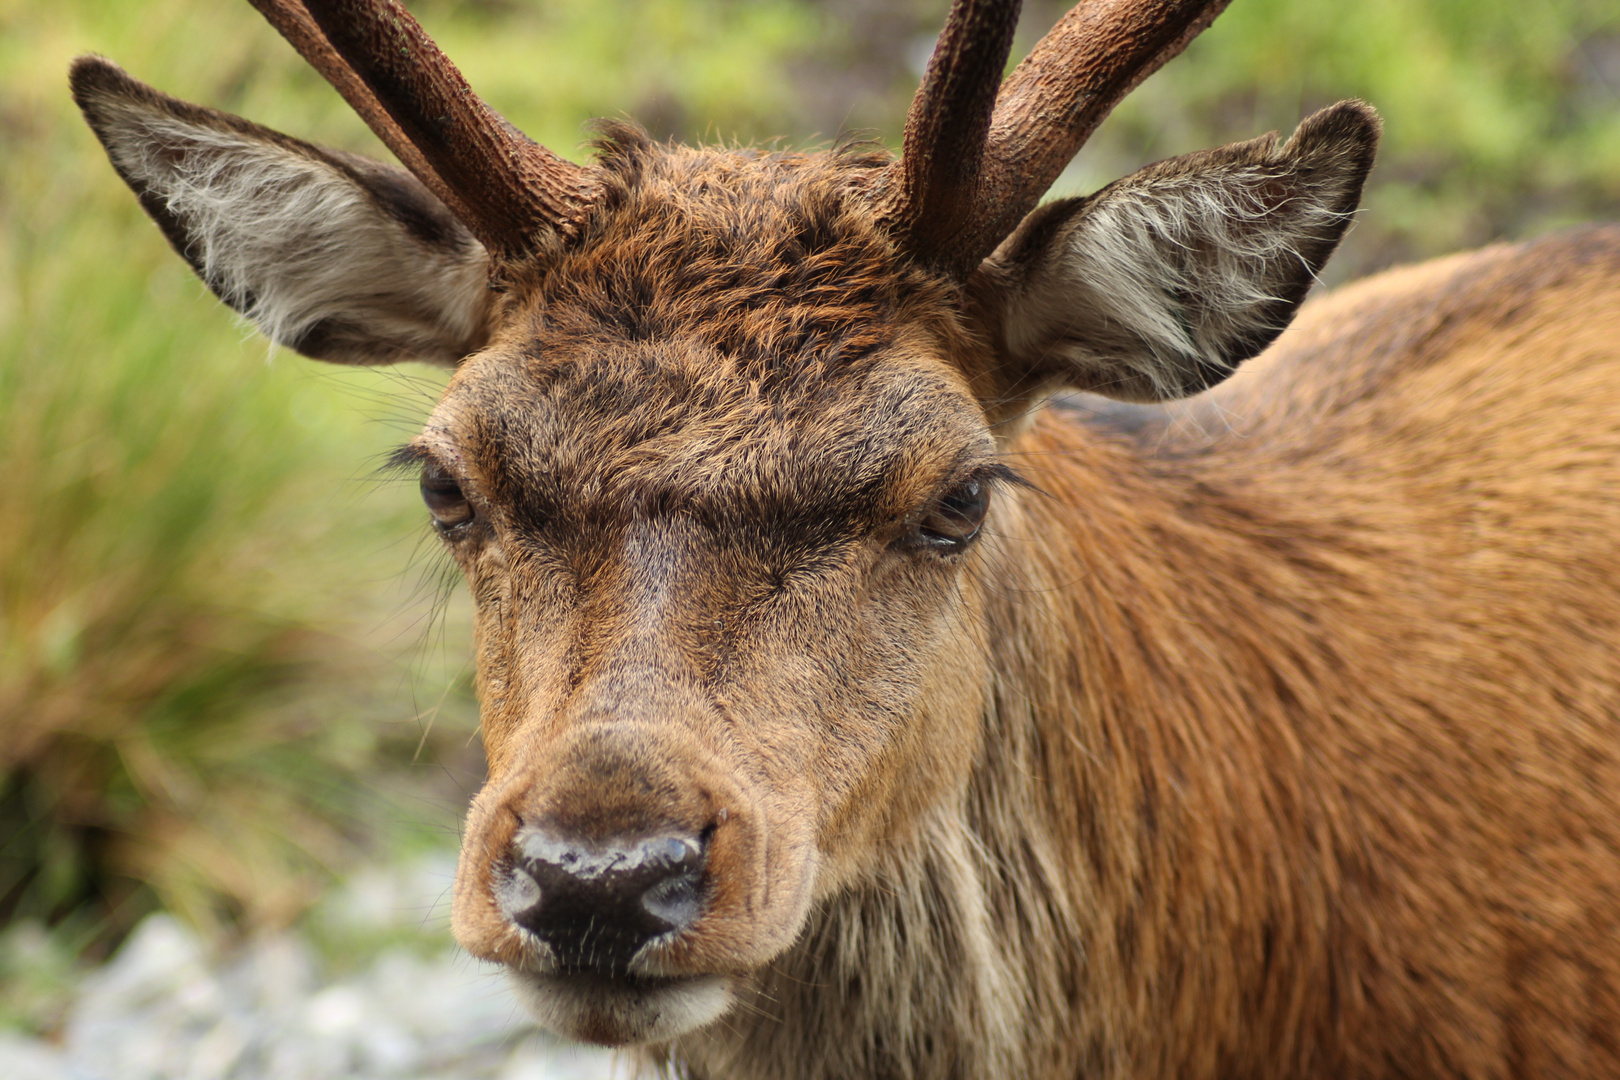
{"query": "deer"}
pixel 927 632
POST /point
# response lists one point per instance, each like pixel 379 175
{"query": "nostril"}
pixel 516 892
pixel 597 905
pixel 674 898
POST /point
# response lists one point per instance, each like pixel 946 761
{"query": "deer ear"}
pixel 332 254
pixel 1159 285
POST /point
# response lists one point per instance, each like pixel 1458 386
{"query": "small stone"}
pixel 22 1058
pixel 165 1008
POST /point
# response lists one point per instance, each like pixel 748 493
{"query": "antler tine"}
pixel 1052 102
pixel 294 23
pixel 932 190
pixel 967 178
pixel 511 192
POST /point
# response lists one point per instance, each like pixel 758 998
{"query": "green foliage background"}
pixel 212 690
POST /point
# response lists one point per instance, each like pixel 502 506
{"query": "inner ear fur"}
pixel 332 254
pixel 1160 284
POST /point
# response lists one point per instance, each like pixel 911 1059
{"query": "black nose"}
pixel 597 905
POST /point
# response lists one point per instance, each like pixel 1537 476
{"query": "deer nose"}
pixel 597 905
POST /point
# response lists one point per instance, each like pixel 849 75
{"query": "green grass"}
pixel 195 671
pixel 208 680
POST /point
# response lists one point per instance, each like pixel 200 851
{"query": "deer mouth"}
pixel 622 1010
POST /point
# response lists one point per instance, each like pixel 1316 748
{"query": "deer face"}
pixel 720 458
pixel 716 529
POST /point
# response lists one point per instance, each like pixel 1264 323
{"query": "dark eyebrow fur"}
pixel 407 458
pixel 404 459
pixel 999 472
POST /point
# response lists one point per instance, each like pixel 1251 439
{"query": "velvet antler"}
pixel 969 172
pixel 511 192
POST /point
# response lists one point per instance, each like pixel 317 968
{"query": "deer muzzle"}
pixel 630 881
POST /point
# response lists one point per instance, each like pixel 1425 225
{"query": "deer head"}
pixel 723 449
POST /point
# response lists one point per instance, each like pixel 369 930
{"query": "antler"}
pixel 968 175
pixel 510 191
pixel 934 185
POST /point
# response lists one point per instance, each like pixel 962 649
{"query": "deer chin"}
pixel 627 1010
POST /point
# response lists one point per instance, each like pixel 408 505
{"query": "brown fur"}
pixel 1346 696
pixel 1287 741
pixel 1302 757
pixel 1270 735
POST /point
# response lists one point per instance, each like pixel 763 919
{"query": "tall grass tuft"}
pixel 189 713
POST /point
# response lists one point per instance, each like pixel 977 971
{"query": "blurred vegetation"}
pixel 1501 119
pixel 203 683
pixel 210 694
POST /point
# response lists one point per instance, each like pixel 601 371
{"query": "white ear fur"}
pixel 334 255
pixel 1161 284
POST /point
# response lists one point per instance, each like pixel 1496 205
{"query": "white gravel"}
pixel 167 1008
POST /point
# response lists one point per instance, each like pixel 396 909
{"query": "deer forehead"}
pixel 735 337
pixel 607 432
pixel 773 259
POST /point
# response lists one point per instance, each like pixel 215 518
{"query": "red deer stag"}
pixel 848 714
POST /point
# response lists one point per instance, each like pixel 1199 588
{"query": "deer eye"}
pixel 444 498
pixel 955 520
